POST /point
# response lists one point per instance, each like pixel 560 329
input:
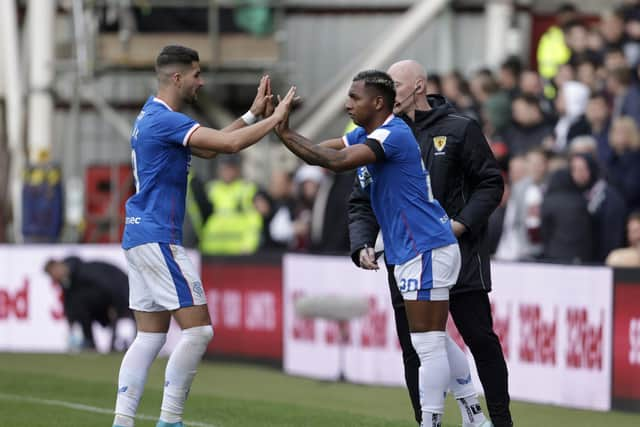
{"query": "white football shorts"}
pixel 429 276
pixel 162 277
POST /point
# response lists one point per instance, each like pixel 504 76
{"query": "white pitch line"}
pixel 87 408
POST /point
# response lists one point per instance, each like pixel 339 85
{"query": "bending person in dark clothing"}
pixel 92 292
pixel 466 181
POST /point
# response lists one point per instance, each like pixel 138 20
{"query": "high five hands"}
pixel 263 99
pixel 264 106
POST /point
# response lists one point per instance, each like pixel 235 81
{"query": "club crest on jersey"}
pixel 439 142
pixel 364 177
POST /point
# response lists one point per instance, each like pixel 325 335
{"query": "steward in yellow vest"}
pixel 234 227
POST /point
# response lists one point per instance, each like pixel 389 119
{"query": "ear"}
pixel 176 78
pixel 379 103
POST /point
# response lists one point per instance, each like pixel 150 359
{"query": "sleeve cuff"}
pixel 185 141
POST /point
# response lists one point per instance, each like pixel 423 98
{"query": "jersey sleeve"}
pixel 388 140
pixel 356 136
pixel 178 127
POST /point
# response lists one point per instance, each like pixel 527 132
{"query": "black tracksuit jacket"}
pixel 465 179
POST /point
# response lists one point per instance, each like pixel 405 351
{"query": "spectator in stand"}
pixel 528 128
pixel 626 94
pixel 631 46
pixel 565 74
pixel 586 73
pixel 576 37
pixel 599 120
pixel 629 256
pixel 456 91
pixel 510 243
pixel 522 239
pixel 566 231
pixel 434 84
pixel 552 51
pixel 531 84
pixel 612 29
pixel 308 180
pixel 605 204
pixel 623 167
pixel 509 75
pixel 234 225
pixel 329 230
pixel 276 207
pixel 570 103
pixel 614 58
pixel 481 85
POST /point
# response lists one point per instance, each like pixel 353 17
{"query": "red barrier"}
pixel 626 340
pixel 245 303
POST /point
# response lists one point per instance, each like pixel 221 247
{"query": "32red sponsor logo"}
pixel 584 340
pixel 15 304
pixel 537 335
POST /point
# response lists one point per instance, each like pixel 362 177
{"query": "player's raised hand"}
pixel 270 106
pixel 284 108
pixel 263 97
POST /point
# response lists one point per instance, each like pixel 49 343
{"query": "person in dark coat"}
pixel 566 229
pixel 623 168
pixel 605 204
pixel 529 128
pixel 465 179
pixel 92 291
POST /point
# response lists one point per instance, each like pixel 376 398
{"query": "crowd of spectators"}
pixel 566 135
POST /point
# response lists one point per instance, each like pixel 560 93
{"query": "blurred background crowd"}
pixel 566 135
pixel 565 132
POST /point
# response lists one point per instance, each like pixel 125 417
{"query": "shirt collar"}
pixel 160 101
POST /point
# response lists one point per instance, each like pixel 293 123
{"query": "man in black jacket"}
pixel 466 181
pixel 92 292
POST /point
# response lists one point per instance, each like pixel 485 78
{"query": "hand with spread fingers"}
pixel 263 98
pixel 283 109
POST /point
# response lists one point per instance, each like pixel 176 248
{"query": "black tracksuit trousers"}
pixel 471 312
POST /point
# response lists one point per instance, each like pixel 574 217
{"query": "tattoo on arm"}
pixel 311 153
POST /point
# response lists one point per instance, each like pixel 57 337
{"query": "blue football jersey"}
pixel 411 220
pixel 160 158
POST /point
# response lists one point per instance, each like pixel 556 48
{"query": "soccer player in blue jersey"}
pixel 162 281
pixel 416 231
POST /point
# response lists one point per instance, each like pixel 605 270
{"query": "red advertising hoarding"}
pixel 245 304
pixel 626 340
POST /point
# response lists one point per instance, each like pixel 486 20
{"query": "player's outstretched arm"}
pixel 258 108
pixel 330 154
pixel 231 142
pixel 203 154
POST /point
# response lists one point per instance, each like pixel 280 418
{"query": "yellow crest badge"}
pixel 439 142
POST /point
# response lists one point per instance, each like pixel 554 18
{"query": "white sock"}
pixel 434 373
pixel 461 385
pixel 123 421
pixel 181 369
pixel 133 373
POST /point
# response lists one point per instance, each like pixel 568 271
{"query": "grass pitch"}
pixel 41 390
